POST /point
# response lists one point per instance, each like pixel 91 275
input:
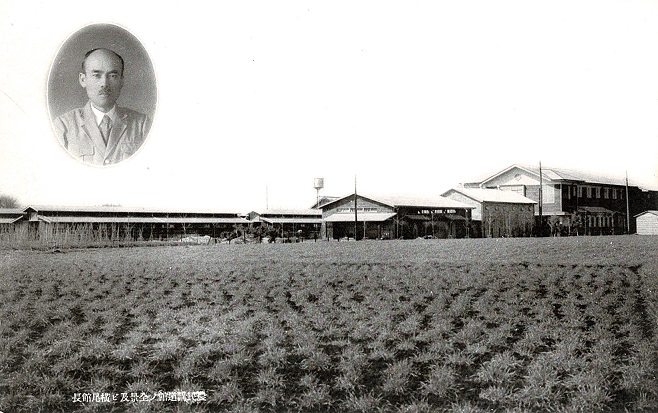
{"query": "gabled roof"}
pixel 324 200
pixel 563 175
pixel 438 202
pixel 652 212
pixel 350 196
pixel 492 195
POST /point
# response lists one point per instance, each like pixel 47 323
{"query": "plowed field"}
pixel 480 325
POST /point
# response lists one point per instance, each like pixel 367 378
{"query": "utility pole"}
pixel 541 201
pixel 628 209
pixel 355 208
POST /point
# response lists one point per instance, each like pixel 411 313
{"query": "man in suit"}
pixel 102 133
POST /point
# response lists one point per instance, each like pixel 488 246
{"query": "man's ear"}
pixel 81 79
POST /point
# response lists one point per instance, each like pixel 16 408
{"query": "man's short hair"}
pixel 107 50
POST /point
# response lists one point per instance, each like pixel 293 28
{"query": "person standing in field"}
pixel 102 133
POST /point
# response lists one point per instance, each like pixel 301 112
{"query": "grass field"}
pixel 471 325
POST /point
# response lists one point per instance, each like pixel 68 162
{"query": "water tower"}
pixel 318 183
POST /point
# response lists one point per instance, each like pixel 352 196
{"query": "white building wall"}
pixel 476 214
pixel 647 224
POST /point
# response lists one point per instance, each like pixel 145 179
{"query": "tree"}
pixel 7 201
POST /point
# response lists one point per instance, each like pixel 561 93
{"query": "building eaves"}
pixel 291 220
pixel 351 196
pixel 123 210
pixel 572 175
pixel 652 212
pixel 291 213
pixel 139 220
pixel 418 202
pixel 492 195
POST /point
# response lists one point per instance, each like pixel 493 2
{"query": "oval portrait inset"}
pixel 102 94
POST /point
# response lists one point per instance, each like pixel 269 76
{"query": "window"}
pixel 598 192
pixel 606 193
pixel 589 191
pixel 614 194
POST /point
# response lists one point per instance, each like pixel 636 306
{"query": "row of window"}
pixel 595 192
pixel 600 221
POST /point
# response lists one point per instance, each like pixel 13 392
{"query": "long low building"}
pixel 9 216
pixel 357 216
pixel 127 222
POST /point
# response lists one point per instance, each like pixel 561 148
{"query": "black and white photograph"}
pixel 92 62
pixel 305 206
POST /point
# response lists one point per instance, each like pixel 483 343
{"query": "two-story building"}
pixel 573 202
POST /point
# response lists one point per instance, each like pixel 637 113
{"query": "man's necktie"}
pixel 105 128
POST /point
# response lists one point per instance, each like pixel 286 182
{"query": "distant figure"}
pixel 102 133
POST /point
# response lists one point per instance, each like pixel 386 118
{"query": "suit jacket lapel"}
pixel 118 128
pixel 91 128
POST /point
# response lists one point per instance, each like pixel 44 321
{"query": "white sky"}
pixel 411 97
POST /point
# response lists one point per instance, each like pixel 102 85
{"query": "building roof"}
pixel 11 211
pixel 290 213
pixel 291 220
pixel 652 212
pixel 564 175
pixel 596 210
pixel 438 202
pixel 492 195
pixel 324 200
pixel 122 210
pixel 9 220
pixel 11 215
pixel 140 220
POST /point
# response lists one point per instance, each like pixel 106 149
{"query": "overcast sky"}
pixel 255 99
